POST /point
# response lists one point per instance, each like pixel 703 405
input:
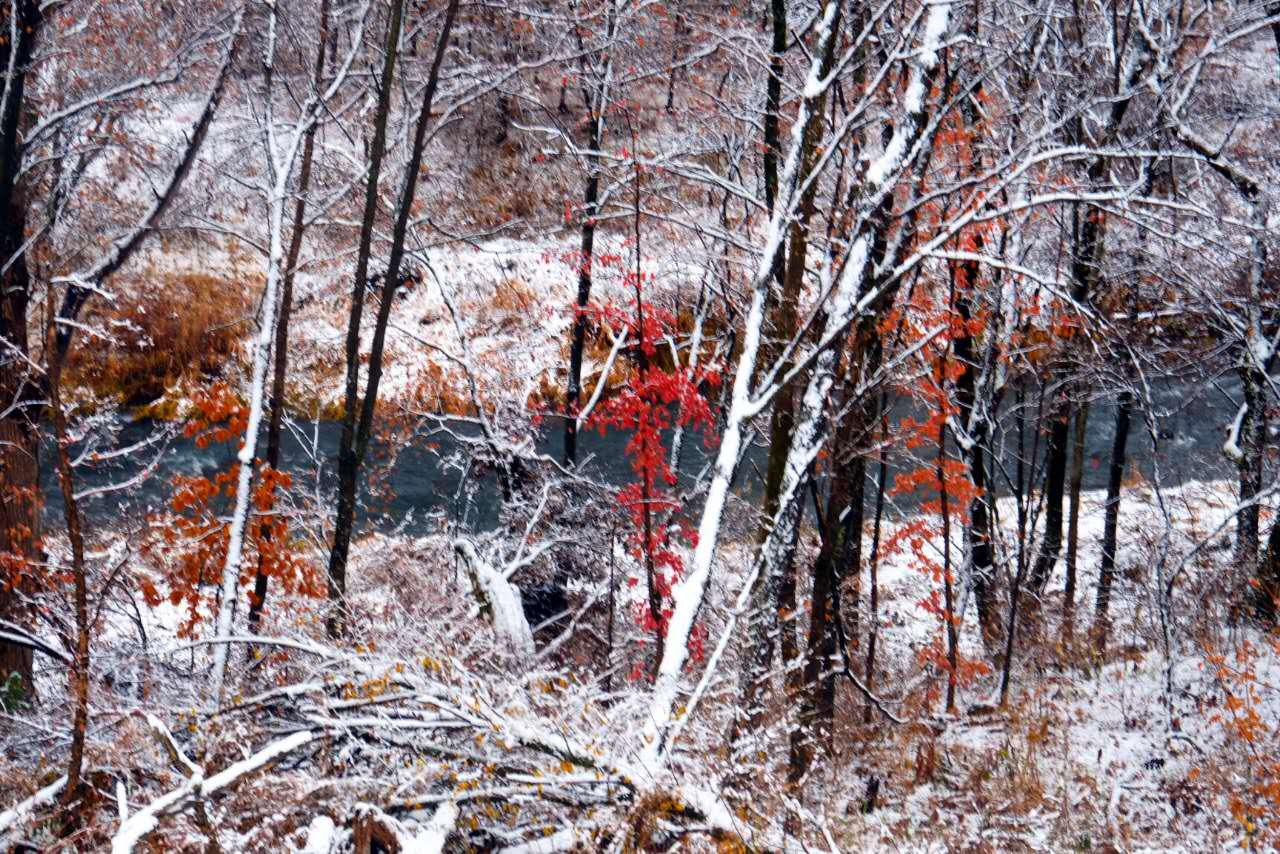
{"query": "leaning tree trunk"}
pixel 773 605
pixel 1252 441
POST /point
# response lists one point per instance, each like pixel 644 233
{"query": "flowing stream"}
pixel 410 492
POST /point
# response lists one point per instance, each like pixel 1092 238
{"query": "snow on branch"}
pixel 82 284
pixel 498 598
pixel 11 817
pixel 144 821
pixel 878 179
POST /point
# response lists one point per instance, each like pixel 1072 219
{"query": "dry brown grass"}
pixel 175 328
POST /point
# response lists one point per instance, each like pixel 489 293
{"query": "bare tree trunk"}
pixel 356 432
pixel 841 548
pixel 953 639
pixel 591 210
pixel 1020 489
pixel 71 510
pixel 19 439
pixel 280 366
pixel 677 28
pixel 1111 521
pixel 19 535
pixel 1073 525
pixel 1253 432
pixel 1267 594
pixel 348 461
pixel 779 593
pixel 646 484
pixel 1088 240
pixel 873 566
pixel 974 450
pixel 772 107
pixel 1054 493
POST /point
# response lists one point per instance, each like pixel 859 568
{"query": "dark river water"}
pixel 419 486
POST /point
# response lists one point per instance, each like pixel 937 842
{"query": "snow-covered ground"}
pixel 1090 755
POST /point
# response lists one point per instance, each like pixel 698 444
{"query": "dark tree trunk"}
pixel 839 557
pixel 1252 440
pixel 1073 524
pixel 784 320
pixel 1266 595
pixel 1056 447
pixel 590 210
pixel 873 565
pixel 677 28
pixel 1111 521
pixel 1086 264
pixel 772 107
pixel 19 537
pixel 978 535
pixel 355 433
pixel 1020 490
pixel 79 645
pixel 348 460
pixel 953 639
pixel 19 438
pixel 579 337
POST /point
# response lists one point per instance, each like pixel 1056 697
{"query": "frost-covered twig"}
pixel 619 341
pixel 20 811
pixel 89 281
pixel 145 820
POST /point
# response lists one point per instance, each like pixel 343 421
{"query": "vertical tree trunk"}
pixel 772 107
pixel 1056 447
pixel 348 461
pixel 677 27
pixel 280 367
pixel 949 614
pixel 1086 267
pixel 977 426
pixel 646 476
pixel 1111 521
pixel 1073 524
pixel 1020 490
pixel 873 565
pixel 19 438
pixel 355 433
pixel 590 210
pixel 1266 595
pixel 839 555
pixel 71 510
pixel 19 535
